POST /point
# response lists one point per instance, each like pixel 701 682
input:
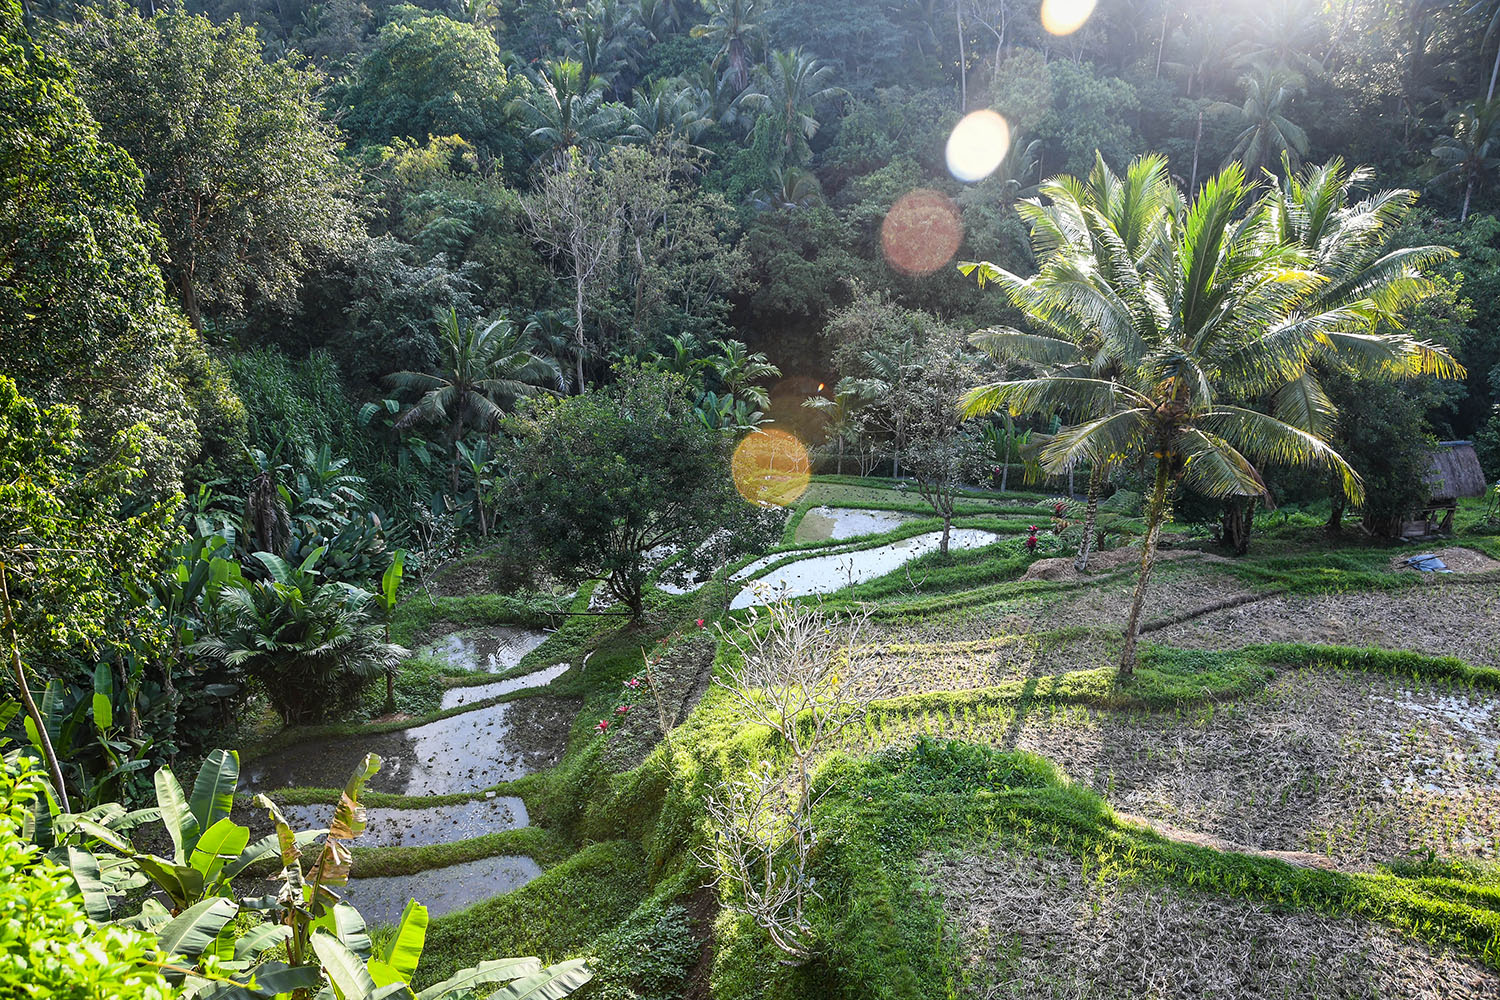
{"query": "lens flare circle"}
pixel 921 232
pixel 771 467
pixel 978 146
pixel 1063 17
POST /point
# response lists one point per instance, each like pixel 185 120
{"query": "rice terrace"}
pixel 728 499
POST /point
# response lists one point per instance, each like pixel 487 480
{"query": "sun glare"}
pixel 1063 17
pixel 771 467
pixel 977 146
pixel 921 232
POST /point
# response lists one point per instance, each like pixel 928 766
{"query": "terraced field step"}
pixel 424 825
pixel 442 890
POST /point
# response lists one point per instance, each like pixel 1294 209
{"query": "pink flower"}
pixel 633 683
pixel 624 709
pixel 700 622
pixel 603 726
pixel 1031 528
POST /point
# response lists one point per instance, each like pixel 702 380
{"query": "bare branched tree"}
pixel 806 672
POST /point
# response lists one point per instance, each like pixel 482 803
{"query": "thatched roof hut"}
pixel 1455 472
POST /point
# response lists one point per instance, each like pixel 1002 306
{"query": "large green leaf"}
pixel 220 843
pixel 500 970
pixel 181 825
pixel 104 688
pixel 194 931
pixel 258 938
pixel 85 870
pixel 404 949
pixel 273 979
pixel 213 791
pixel 183 883
pixel 552 983
pixel 346 970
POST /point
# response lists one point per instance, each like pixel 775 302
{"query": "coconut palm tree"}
pixel 1103 214
pixel 566 110
pixel 1471 155
pixel 794 188
pixel 732 27
pixel 739 369
pixel 842 411
pixel 1214 308
pixel 486 369
pixel 1269 135
pixel 669 109
pixel 792 87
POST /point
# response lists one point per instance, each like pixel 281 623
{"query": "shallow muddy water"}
pixel 387 827
pixel 380 900
pixel 834 523
pixel 470 694
pixel 827 573
pixel 462 753
pixel 491 650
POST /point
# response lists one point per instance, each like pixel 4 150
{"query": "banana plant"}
pixel 208 848
pixel 356 975
pixel 390 586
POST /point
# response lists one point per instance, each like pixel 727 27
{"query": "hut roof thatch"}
pixel 1455 471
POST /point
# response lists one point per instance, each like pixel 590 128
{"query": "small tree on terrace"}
pixel 596 481
pixel 939 456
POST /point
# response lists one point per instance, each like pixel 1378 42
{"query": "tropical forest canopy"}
pixel 302 302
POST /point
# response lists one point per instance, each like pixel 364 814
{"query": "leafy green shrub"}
pixel 48 949
pixel 312 647
pixel 648 957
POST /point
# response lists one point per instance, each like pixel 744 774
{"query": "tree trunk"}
pixel 578 329
pixel 1197 141
pixel 190 299
pixel 947 528
pixel 1463 214
pixel 963 69
pixel 1090 518
pixel 1156 514
pixel 1495 70
pixel 54 766
pixel 1335 523
pixel 1238 523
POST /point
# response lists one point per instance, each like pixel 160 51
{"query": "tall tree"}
pixel 486 370
pixel 567 111
pixel 733 26
pixel 793 87
pixel 1470 155
pixel 575 218
pixel 1220 309
pixel 84 317
pixel 242 171
pixel 1269 136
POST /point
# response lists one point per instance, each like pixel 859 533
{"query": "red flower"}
pixel 1058 508
pixel 633 683
pixel 624 709
pixel 700 622
pixel 603 726
pixel 1031 528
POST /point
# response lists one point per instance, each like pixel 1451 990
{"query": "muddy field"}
pixel 1357 768
pixel 1036 926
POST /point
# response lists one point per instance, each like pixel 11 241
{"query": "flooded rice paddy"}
pixel 824 574
pixel 422 826
pixel 491 650
pixel 472 694
pixel 381 899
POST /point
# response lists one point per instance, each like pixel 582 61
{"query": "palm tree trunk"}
pixel 1090 518
pixel 1494 71
pixel 963 69
pixel 1156 514
pixel 1463 214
